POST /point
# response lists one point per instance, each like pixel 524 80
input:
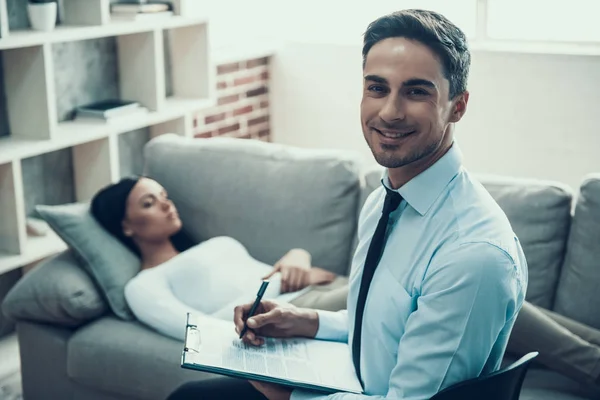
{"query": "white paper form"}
pixel 297 362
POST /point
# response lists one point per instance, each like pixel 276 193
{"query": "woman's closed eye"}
pixel 148 203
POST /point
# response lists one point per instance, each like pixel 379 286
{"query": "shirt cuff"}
pixel 333 326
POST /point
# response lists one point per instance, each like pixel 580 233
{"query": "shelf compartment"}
pixel 9 354
pixel 12 212
pixel 192 72
pixel 72 133
pixel 131 151
pixel 3 19
pixel 95 165
pixel 69 33
pixel 141 70
pixel 182 126
pixel 35 249
pixel 29 85
pixel 86 12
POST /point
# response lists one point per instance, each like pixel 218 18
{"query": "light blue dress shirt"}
pixel 445 295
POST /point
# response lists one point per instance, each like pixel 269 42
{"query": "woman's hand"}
pixel 293 277
pixel 296 272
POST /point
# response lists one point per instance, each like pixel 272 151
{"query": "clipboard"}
pixel 212 346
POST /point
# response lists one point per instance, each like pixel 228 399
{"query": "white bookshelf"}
pixel 31 105
pixel 3 19
pixel 9 354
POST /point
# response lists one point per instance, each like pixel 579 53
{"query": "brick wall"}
pixel 242 109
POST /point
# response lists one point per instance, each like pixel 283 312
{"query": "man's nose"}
pixel 393 109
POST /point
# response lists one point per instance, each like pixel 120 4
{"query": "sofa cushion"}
pixel 270 197
pixel 543 384
pixel 56 291
pixel 578 296
pixel 128 359
pixel 540 214
pixel 7 281
pixel 107 260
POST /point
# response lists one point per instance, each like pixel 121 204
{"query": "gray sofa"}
pixel 273 198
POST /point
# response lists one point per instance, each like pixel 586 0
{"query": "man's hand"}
pixel 275 320
pixel 296 271
pixel 272 391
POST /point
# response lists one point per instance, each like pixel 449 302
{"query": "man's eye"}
pixel 376 88
pixel 147 204
pixel 417 92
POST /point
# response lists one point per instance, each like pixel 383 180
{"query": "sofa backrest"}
pixel 540 214
pixel 270 197
pixel 578 293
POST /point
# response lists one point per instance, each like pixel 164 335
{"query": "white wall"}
pixel 529 115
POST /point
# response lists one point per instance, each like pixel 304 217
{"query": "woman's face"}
pixel 150 215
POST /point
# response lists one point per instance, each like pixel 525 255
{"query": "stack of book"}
pixel 140 10
pixel 109 111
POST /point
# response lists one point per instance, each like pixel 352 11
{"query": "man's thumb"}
pixel 258 321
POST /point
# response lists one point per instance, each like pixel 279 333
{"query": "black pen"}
pixel 259 295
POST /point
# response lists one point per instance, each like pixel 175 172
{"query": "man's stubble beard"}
pixel 388 159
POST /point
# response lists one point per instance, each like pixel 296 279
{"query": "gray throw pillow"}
pixel 56 291
pixel 103 256
pixel 577 295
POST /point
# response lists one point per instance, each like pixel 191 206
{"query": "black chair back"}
pixel 504 384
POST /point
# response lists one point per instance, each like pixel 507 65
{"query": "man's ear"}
pixel 460 107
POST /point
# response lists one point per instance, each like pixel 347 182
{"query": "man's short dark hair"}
pixel 433 30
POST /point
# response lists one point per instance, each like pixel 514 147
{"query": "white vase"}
pixel 42 16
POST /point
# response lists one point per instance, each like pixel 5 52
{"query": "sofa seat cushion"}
pixel 270 197
pixel 126 358
pixel 578 296
pixel 543 384
pixel 540 215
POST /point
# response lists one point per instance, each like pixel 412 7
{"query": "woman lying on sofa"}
pixel 210 278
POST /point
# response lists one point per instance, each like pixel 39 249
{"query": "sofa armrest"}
pixel 57 291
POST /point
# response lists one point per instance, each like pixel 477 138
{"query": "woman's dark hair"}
pixel 433 30
pixel 109 206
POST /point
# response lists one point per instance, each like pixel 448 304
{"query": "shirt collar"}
pixel 422 190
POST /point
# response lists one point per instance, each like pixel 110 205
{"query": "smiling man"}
pixel 438 276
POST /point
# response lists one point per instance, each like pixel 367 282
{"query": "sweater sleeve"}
pixel 154 304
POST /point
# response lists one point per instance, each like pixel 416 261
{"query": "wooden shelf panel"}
pixel 72 133
pixel 66 33
pixel 3 19
pixel 36 248
pixel 9 354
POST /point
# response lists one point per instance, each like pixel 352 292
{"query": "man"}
pixel 438 276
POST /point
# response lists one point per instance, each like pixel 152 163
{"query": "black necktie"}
pixel 392 200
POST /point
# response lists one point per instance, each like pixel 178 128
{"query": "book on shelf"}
pixel 107 108
pixel 133 16
pixel 109 111
pixel 112 120
pixel 139 8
